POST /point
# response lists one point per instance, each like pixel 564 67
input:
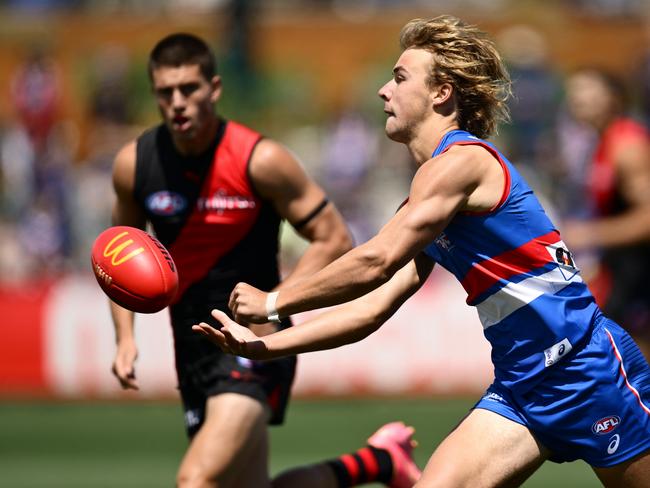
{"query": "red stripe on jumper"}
pixel 211 233
pixel 488 272
pixel 623 372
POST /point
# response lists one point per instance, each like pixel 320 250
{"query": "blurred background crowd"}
pixel 73 88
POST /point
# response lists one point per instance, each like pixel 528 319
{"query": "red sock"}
pixel 366 465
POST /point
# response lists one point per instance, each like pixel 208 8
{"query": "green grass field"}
pixel 123 445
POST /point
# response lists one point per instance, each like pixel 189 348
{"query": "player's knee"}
pixel 451 476
pixel 442 482
pixel 195 477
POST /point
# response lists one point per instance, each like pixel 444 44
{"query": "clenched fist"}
pixel 248 304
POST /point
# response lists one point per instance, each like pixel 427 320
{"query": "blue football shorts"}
pixel 594 405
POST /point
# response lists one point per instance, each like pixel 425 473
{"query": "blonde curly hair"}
pixel 467 59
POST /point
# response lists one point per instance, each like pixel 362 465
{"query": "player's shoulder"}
pixel 625 134
pixel 468 153
pixel 628 126
pixel 150 137
pixel 271 157
pixel 124 166
pixel 459 159
pixel 467 171
pixel 126 155
pixel 274 170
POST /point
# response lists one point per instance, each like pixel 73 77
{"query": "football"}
pixel 134 269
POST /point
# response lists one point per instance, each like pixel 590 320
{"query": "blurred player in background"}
pixel 618 199
pixel 215 193
pixel 569 383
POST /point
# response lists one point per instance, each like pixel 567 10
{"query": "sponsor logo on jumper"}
pixel 563 256
pixel 221 201
pixel 605 425
pixel 564 259
pixel 166 203
pixel 113 249
pixel 443 241
pixel 554 353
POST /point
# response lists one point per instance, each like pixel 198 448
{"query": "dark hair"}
pixel 181 49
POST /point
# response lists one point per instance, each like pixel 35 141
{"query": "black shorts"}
pixel 204 371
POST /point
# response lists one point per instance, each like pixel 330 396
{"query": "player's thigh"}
pixel 254 473
pixel 485 450
pixel 631 474
pixel 231 444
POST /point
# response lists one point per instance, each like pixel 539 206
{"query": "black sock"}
pixel 366 465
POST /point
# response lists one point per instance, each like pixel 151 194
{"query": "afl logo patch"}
pixel 605 425
pixel 166 203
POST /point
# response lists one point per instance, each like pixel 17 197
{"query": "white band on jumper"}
pixel 271 312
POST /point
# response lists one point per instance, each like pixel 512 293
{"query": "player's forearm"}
pixel 326 331
pixel 630 228
pixel 318 255
pixel 123 321
pixel 354 320
pixel 356 273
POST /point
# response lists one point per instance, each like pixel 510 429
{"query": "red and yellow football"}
pixel 134 269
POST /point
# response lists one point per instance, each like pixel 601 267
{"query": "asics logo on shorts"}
pixel 613 444
pixel 553 354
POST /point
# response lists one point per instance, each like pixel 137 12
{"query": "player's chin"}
pixel 394 133
pixel 183 132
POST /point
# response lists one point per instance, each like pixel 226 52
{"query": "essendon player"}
pixel 215 193
pixel 617 203
pixel 569 382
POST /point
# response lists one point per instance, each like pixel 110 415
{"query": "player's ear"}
pixel 217 87
pixel 441 93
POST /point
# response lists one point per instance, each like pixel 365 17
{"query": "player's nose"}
pixel 384 92
pixel 178 100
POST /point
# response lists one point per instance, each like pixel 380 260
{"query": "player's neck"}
pixel 428 137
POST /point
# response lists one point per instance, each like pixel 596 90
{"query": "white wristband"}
pixel 271 312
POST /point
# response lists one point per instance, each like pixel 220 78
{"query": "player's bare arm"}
pixel 125 209
pixel 632 226
pixel 279 177
pixel 464 178
pixel 125 212
pixel 346 324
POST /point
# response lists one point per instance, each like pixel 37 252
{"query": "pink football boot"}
pixel 397 439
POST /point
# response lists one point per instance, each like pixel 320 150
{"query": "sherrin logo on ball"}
pixel 134 269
